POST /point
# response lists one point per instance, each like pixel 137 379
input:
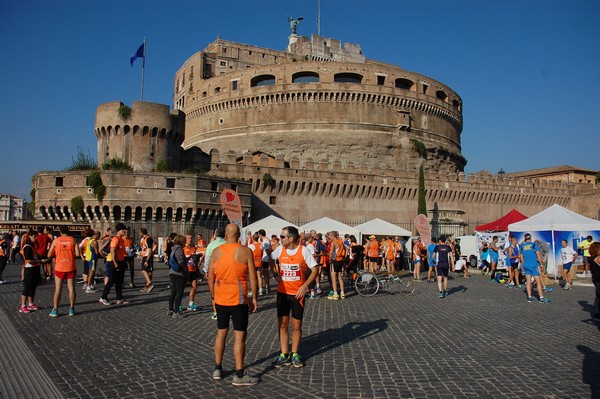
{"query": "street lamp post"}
pixel 501 174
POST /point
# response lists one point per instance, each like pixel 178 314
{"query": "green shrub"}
pixel 83 161
pixel 268 179
pixel 162 166
pixel 116 163
pixel 419 148
pixel 124 111
pixel 77 205
pixel 95 182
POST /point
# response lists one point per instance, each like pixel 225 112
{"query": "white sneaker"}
pixel 103 301
pixel 581 274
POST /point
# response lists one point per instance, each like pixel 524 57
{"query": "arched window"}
pixel 404 84
pixel 305 77
pixel 347 77
pixel 262 80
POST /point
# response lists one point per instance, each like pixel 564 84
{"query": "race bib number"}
pixel 290 272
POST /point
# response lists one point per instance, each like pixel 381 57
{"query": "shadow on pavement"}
pixel 590 369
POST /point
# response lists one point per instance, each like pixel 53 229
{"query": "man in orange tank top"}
pixel 115 266
pixel 337 253
pixel 294 273
pixel 65 250
pixel 231 264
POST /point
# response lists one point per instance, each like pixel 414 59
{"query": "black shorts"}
pixel 287 303
pixel 238 315
pixel 338 266
pixel 150 267
pixel 373 258
pixel 442 271
pixel 265 265
pixel 192 276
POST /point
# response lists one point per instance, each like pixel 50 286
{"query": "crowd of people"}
pixel 239 271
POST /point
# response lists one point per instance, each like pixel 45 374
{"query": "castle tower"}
pixel 142 135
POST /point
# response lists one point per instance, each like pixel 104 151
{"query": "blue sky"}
pixel 528 71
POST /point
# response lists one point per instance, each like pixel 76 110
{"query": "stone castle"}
pixel 316 130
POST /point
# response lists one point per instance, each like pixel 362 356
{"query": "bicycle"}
pixel 368 284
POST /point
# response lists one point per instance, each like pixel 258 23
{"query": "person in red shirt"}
pixel 42 245
pixel 65 250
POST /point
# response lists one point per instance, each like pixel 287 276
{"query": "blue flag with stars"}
pixel 138 54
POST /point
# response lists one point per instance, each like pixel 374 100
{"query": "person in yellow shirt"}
pixel 585 246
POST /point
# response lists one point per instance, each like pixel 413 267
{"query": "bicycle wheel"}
pixel 366 284
pixel 407 287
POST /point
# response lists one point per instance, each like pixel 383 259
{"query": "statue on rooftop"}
pixel 294 23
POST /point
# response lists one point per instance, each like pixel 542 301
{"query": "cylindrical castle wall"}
pixel 370 122
pixel 142 136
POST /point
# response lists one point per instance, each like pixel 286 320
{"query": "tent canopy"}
pixel 555 218
pixel 501 224
pixel 326 224
pixel 271 224
pixel 383 228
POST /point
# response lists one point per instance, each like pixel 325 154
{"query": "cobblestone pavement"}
pixel 483 340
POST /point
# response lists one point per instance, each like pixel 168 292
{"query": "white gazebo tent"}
pixel 381 228
pixel 555 219
pixel 326 224
pixel 271 224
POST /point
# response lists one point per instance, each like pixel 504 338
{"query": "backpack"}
pixel 173 265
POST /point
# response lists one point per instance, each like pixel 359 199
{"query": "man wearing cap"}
pixel 530 257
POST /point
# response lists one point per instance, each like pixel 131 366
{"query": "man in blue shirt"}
pixel 530 256
pixel 431 260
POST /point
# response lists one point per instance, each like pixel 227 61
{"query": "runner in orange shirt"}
pixel 231 264
pixel 191 257
pixel 115 266
pixel 294 273
pixel 65 250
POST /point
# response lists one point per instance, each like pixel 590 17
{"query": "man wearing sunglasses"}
pixel 295 271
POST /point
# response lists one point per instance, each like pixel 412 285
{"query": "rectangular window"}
pixel 214 186
pixel 223 63
pixel 58 182
pixel 170 182
pixel 380 80
pixel 234 187
pixel 272 200
pixel 234 85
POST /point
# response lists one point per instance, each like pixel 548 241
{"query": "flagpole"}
pixel 143 67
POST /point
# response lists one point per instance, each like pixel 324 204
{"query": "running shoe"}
pixel 441 294
pixel 567 286
pixel 312 296
pixel 33 307
pixel 217 374
pixel 296 361
pixel 330 293
pixel 71 312
pixel 282 360
pixel 547 289
pixel 131 285
pixel 335 297
pixel 90 290
pixel 23 309
pixel 544 300
pixel 530 299
pixel 54 313
pixel 214 316
pixel 319 290
pixel 122 302
pixel 3 281
pixel 194 307
pixel 84 287
pixel 445 294
pixel 177 315
pixel 244 381
pixel 104 301
pixel 145 289
pixel 150 288
pixel 169 313
pixel 342 296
